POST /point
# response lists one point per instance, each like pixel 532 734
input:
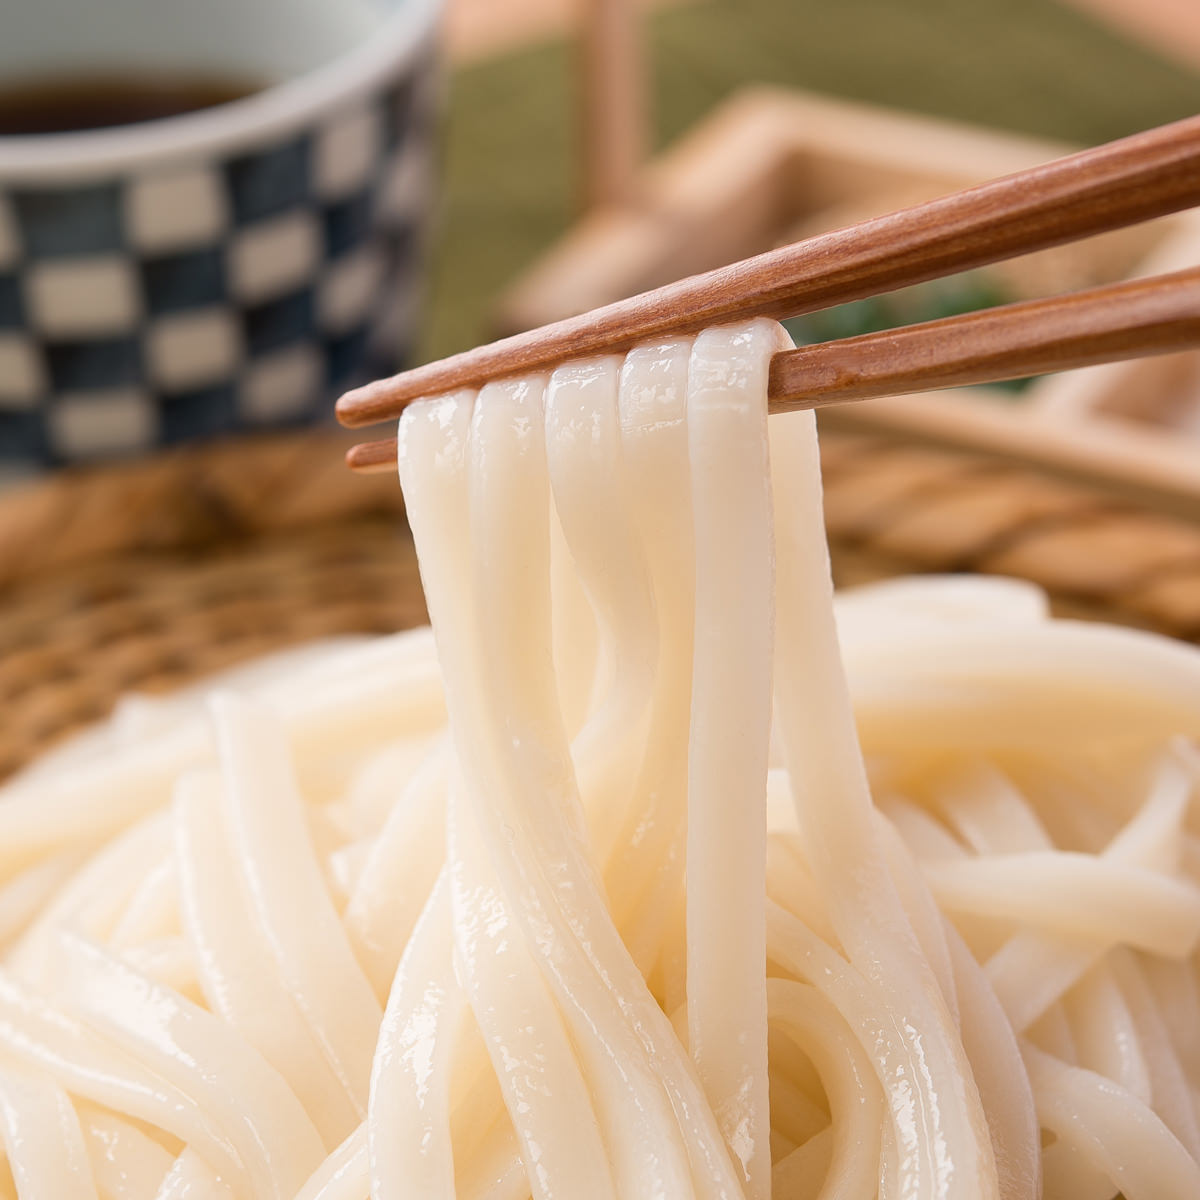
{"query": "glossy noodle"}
pixel 652 870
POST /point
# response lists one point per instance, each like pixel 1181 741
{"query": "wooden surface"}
pixel 615 123
pixel 479 29
pixel 511 166
pixel 1131 464
pixel 1140 395
pixel 1105 188
pixel 773 166
pixel 1172 27
pixel 896 506
pixel 184 500
pixel 74 640
pixel 772 159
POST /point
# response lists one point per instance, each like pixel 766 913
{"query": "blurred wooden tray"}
pixel 772 165
pixel 1151 394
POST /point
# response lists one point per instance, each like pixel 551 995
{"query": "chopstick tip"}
pixel 372 458
pixel 349 406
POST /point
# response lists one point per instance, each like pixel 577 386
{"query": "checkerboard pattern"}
pixel 216 295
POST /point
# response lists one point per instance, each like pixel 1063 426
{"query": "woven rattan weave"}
pixel 151 576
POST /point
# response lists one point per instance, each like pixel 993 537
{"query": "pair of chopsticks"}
pixel 1114 185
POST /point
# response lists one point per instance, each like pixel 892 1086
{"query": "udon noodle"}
pixel 650 871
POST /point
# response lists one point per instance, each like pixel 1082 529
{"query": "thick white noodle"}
pixel 795 1116
pixel 1104 1033
pixel 645 874
pixel 398 874
pixel 568 898
pixel 408 1130
pixel 42 1138
pixel 23 897
pixel 1112 1130
pixel 963 687
pixel 33 1030
pixel 345 1174
pixel 580 455
pixel 275 1140
pixel 940 1128
pixel 237 972
pixel 531 1053
pixel 855 1098
pixel 988 1040
pixel 1031 972
pixel 730 730
pixel 153 909
pixel 126 1163
pixel 641 1109
pixel 191 1178
pixel 1075 896
pixel 927 920
pixel 1169 1088
pixel 1004 1087
pixel 94 898
pixel 266 819
pixel 801 1174
pixel 369 796
pixel 1177 991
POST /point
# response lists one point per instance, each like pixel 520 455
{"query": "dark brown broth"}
pixel 63 104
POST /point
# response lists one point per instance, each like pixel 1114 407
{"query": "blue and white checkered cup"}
pixel 229 269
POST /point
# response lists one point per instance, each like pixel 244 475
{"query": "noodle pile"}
pixel 649 872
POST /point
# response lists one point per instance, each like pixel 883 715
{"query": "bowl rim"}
pixel 276 111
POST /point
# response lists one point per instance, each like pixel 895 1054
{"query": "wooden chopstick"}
pixel 1080 329
pixel 614 102
pixel 1110 186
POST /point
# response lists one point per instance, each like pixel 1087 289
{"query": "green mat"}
pixel 1025 65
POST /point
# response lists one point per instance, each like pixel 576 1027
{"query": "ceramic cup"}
pixel 228 269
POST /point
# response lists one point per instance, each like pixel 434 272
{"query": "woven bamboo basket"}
pixel 156 574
